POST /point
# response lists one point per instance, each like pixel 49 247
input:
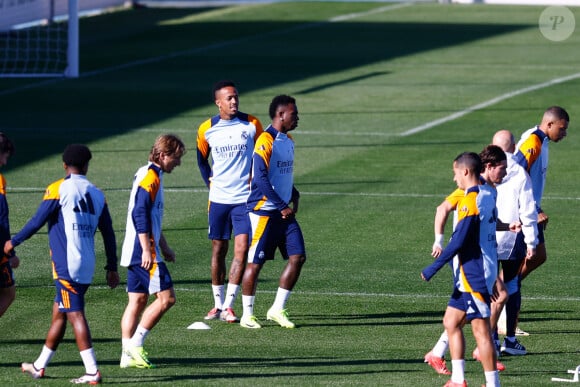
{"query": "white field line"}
pixel 358 294
pixel 335 19
pixel 490 102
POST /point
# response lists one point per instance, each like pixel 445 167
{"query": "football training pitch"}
pixel 388 95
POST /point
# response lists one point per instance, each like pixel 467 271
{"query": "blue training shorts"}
pixel 150 281
pixel 225 218
pixel 70 296
pixel 270 232
pixel 475 305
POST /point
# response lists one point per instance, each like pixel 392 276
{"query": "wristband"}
pixel 439 239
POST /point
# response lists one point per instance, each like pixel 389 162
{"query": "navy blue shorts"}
pixel 475 305
pixel 225 218
pixel 150 281
pixel 70 296
pixel 272 232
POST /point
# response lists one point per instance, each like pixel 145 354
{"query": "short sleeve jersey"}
pixel 230 144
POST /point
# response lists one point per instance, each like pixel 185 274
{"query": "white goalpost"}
pixel 40 38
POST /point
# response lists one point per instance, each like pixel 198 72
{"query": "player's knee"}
pixel 298 260
pixel 449 324
pixel 167 303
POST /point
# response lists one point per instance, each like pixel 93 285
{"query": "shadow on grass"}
pixel 140 68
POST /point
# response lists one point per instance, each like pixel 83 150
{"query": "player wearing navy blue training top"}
pixel 273 221
pixel 144 249
pixel 470 300
pixel 74 209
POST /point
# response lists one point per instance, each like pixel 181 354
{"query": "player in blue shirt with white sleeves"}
pixel 74 209
pixel 273 221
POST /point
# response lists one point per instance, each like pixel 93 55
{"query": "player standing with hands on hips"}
pixel 272 219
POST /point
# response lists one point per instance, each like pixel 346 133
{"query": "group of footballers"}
pixel 503 183
pixel 249 173
pixel 241 151
pixel 251 193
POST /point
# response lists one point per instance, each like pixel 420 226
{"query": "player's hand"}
pixel 287 213
pixel 8 247
pixel 543 219
pixel 14 261
pixel 436 250
pixel 112 279
pixel 530 253
pixel 515 226
pixel 423 277
pixel 146 260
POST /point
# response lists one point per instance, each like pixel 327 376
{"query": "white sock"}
pixel 139 337
pixel 44 358
pixel 457 371
pixel 231 295
pixel 125 343
pixel 501 321
pixel 90 361
pixel 492 379
pixel 440 349
pixel 281 298
pixel 218 296
pixel 248 305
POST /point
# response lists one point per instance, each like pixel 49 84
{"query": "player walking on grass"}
pixel 494 170
pixel 273 221
pixel 228 138
pixel 143 249
pixel 470 300
pixel 515 203
pixel 532 154
pixel 7 261
pixel 73 208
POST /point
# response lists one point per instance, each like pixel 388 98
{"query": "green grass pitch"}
pixel 364 75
